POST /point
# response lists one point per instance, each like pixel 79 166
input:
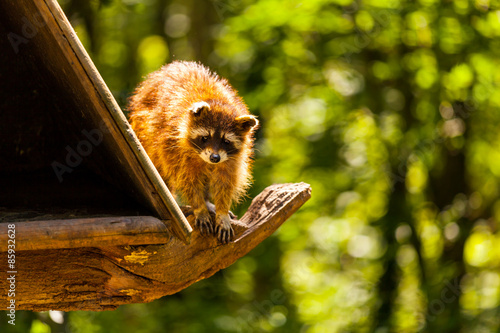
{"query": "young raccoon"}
pixel 199 135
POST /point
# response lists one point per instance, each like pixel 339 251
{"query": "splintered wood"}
pixel 98 269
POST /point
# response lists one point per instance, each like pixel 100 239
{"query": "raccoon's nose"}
pixel 214 158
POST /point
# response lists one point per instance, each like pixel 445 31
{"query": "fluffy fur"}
pixel 199 135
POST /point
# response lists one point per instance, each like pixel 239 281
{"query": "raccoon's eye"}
pixel 204 138
pixel 226 141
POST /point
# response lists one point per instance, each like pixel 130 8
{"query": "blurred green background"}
pixel 389 109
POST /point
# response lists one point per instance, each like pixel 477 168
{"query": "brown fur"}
pixel 162 117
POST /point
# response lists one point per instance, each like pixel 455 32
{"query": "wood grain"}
pixel 86 232
pixel 104 277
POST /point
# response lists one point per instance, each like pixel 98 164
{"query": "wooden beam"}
pixel 104 277
pixel 85 232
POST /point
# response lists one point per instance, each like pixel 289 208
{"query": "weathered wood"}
pixel 87 232
pixel 105 277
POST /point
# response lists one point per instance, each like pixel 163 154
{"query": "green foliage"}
pixel 389 109
pixel 39 327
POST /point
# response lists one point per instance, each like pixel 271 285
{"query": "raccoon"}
pixel 199 135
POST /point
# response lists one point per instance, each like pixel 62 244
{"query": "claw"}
pixel 204 223
pixel 225 235
pixel 223 229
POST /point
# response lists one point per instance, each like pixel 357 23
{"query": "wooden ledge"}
pixel 86 232
pixel 95 270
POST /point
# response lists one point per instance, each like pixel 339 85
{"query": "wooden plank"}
pixel 85 232
pixel 103 278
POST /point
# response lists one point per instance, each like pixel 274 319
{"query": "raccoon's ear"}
pixel 247 122
pixel 199 107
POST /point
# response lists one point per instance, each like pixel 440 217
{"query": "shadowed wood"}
pixel 77 53
pixel 180 226
pixel 78 99
pixel 104 277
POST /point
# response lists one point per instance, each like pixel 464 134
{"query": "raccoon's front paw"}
pixel 204 223
pixel 223 228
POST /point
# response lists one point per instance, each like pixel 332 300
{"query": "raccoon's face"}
pixel 215 136
pixel 213 145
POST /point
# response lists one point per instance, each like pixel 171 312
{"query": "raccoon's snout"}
pixel 215 158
